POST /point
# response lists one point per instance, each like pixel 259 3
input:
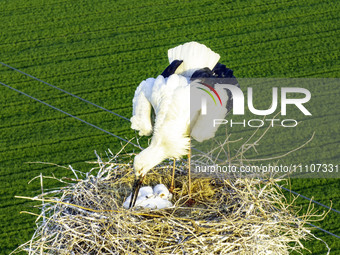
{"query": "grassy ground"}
pixel 101 50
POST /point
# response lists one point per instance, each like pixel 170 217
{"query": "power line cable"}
pixel 55 108
pixel 64 91
pixel 103 130
pixel 327 232
pixel 125 140
pixel 31 76
pixel 309 199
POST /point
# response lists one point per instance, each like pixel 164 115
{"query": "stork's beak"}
pixel 135 190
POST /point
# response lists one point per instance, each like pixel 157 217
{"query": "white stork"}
pixel 176 119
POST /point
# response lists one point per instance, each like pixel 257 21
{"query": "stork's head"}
pixel 147 159
pixel 141 165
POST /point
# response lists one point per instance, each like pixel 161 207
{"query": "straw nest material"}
pixel 234 216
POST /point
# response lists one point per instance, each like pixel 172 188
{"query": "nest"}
pixel 234 216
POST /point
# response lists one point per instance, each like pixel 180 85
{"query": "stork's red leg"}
pixel 172 186
pixel 190 201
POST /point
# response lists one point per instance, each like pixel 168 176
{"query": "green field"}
pixel 101 50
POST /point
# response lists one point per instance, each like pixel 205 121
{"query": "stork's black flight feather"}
pixel 223 72
pixel 220 74
pixel 171 69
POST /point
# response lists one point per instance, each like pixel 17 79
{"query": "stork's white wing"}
pixel 172 119
pixel 141 116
